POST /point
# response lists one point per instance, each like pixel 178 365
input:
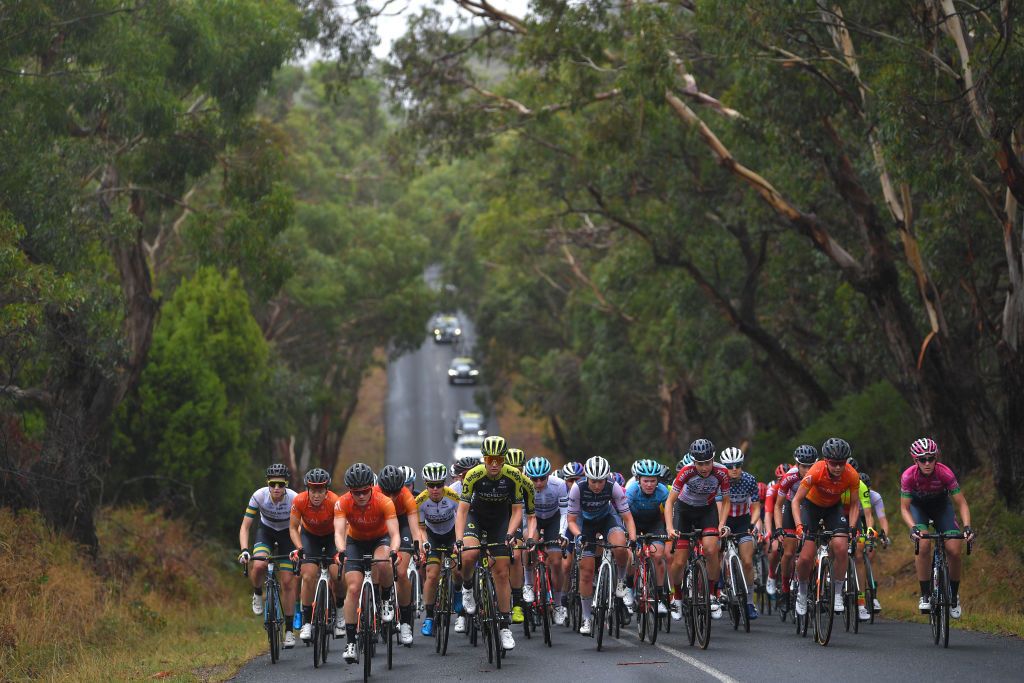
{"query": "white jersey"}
pixel 438 517
pixel 877 504
pixel 273 515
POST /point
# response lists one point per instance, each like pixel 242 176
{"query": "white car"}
pixel 467 445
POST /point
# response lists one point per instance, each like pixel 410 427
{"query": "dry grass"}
pixel 154 601
pixel 364 439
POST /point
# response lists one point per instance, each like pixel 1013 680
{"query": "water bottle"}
pixel 297 621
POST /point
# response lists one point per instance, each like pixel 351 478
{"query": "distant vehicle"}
pixel 469 423
pixel 463 370
pixel 447 329
pixel 467 445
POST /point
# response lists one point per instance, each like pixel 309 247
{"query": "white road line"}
pixel 696 663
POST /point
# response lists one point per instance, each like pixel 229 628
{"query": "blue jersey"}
pixel 647 509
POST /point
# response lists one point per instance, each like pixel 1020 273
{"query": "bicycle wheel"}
pixel 945 601
pixel 367 619
pixel 741 593
pixel 642 601
pixel 270 609
pixel 601 603
pixel 492 616
pixel 824 603
pixel 483 610
pixel 543 591
pixel 849 615
pixel 812 605
pixel 731 599
pixel 870 592
pixel 702 604
pixel 689 611
pixel 319 621
pixel 442 612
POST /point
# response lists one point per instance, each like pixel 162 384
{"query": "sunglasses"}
pixel 277 484
pixel 544 478
pixel 926 459
pixel 734 467
pixel 361 492
pixel 437 485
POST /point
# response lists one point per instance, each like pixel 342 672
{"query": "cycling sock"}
pixel 307 614
pixel 565 600
pixel 430 611
pixel 586 607
pixel 802 589
pixel 257 591
pixel 350 633
pixel 504 619
pixel 557 598
pixel 288 622
pixel 339 601
pixel 621 569
pixel 954 591
pixel 926 588
pixel 405 614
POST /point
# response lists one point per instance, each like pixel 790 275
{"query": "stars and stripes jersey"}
pixel 742 493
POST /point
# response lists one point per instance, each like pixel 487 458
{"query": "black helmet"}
pixel 866 479
pixel 466 463
pixel 317 476
pixel 852 462
pixel 805 455
pixel 835 448
pixel 359 476
pixel 702 450
pixel 278 470
pixel 391 479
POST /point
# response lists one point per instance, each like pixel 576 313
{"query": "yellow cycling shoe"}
pixel 517 615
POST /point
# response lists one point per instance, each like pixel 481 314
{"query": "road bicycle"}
pixel 940 598
pixel 273 613
pixel 485 621
pixel 325 612
pixel 369 625
pixel 761 597
pixel 735 582
pixel 541 610
pixel 696 590
pixel 416 587
pixel 607 608
pixel 444 599
pixel 820 589
pixel 645 587
pixel 784 598
pixel 572 596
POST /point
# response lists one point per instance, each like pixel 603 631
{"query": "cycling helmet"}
pixel 805 455
pixel 317 477
pixel 731 456
pixel 686 461
pixel 646 468
pixel 434 471
pixel 664 471
pixel 597 468
pixel 618 478
pixel 466 463
pixel 515 457
pixel 835 448
pixel 279 471
pixel 572 470
pixel 493 446
pixel 866 479
pixel 702 450
pixel 633 468
pixel 780 470
pixel 391 479
pixel 923 447
pixel 410 474
pixel 359 476
pixel 852 462
pixel 537 468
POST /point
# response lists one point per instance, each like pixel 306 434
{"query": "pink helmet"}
pixel 923 447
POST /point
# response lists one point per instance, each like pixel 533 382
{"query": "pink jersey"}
pixel 942 482
pixel 699 491
pixel 788 485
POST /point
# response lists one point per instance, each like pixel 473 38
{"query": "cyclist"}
pixel 515 457
pixel 311 528
pixel 273 503
pixel 878 507
pixel 493 499
pixel 928 490
pixel 785 520
pixel 592 509
pixel 571 473
pixel 691 505
pixel 866 526
pixel 817 498
pixel 391 481
pixel 437 504
pixel 365 523
pixel 551 505
pixel 665 475
pixel 647 498
pixel 459 469
pixel 410 479
pixel 774 547
pixel 744 506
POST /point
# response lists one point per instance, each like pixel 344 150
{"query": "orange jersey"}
pixel 404 501
pixel 318 521
pixel 823 490
pixel 369 522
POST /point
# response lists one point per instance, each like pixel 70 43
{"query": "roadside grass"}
pixel 364 438
pixel 155 603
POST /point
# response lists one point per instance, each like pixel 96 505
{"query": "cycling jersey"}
pixel 742 493
pixel 786 488
pixel 552 499
pixel 769 499
pixel 941 483
pixel 647 510
pixel 863 495
pixel 404 501
pixel 490 497
pixel 877 504
pixel 272 515
pixel 318 521
pixel 698 491
pixel 593 506
pixel 823 490
pixel 368 522
pixel 438 517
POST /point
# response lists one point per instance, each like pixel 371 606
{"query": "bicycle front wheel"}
pixel 543 592
pixel 272 625
pixel 944 602
pixel 319 621
pixel 824 603
pixel 601 603
pixel 491 600
pixel 701 604
pixel 367 622
pixel 869 590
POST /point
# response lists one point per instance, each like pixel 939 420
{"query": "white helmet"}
pixel 597 468
pixel 731 456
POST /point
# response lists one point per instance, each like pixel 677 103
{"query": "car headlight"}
pixel 458 331
pixel 452 373
pixel 474 372
pixel 481 432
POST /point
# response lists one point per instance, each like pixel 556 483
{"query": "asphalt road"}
pixel 420 409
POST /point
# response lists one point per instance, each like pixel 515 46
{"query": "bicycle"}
pixel 784 601
pixel 543 603
pixel 572 596
pixel 821 586
pixel 325 612
pixel 607 608
pixel 735 581
pixel 696 590
pixel 645 588
pixel 444 599
pixel 413 574
pixel 871 587
pixel 273 613
pixel 368 624
pixel 940 600
pixel 763 600
pixel 486 618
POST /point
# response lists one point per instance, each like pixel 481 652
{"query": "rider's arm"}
pixel 563 513
pixel 908 519
pixel 396 538
pixel 965 511
pixel 461 515
pixel 293 530
pixel 798 498
pixel 755 514
pixel 243 533
pixel 669 508
pixel 723 509
pixel 627 519
pixel 414 525
pixel 340 534
pixel 515 520
pixel 571 524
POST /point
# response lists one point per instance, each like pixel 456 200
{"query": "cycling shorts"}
pixel 938 513
pixel 592 527
pixel 494 529
pixel 439 541
pixel 655 528
pixel 355 550
pixel 547 529
pixel 687 518
pixel 405 535
pixel 317 546
pixel 788 522
pixel 834 517
pixel 264 545
pixel 740 528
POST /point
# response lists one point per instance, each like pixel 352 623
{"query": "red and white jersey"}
pixel 699 491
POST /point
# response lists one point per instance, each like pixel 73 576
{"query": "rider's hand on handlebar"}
pixel 915 533
pixel 295 555
pixel 968 534
pixel 244 557
pixel 799 529
pixel 724 531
